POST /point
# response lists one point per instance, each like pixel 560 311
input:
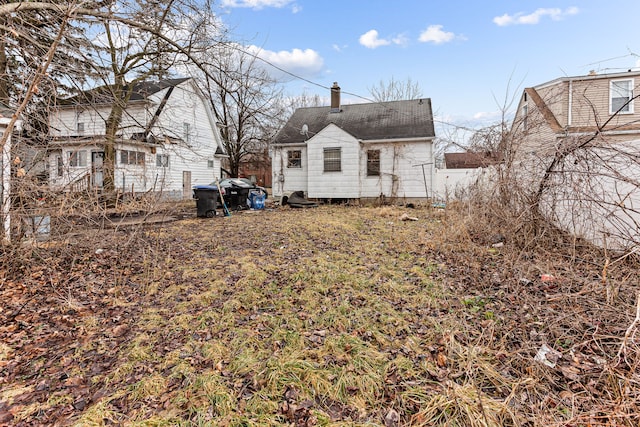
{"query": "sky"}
pixel 472 58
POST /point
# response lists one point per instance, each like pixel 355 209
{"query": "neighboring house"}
pixel 462 171
pixel 257 168
pixel 168 140
pixel 470 160
pixel 580 138
pixel 6 161
pixel 357 151
pixel 574 107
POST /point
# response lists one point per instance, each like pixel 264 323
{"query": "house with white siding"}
pixel 356 151
pixel 168 140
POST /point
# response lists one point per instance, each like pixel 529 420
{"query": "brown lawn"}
pixel 336 315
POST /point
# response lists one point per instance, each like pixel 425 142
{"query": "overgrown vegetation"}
pixel 329 316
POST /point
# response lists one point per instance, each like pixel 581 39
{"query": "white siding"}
pixel 286 179
pixel 337 185
pixel 401 170
pixel 401 173
pixel 185 105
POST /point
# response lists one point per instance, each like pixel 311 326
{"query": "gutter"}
pixel 380 141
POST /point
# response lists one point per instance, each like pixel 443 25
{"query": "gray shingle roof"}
pixel 104 94
pixel 371 121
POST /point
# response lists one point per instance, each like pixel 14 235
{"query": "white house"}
pixel 168 140
pixel 357 151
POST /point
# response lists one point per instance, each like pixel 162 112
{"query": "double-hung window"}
pixel 162 160
pixel 78 158
pixel 294 158
pixel 621 96
pixel 373 162
pixel 186 132
pixel 332 160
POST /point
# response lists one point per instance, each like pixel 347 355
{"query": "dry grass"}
pixel 329 316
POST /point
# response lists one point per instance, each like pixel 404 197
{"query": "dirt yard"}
pixel 334 315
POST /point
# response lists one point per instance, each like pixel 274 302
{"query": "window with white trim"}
pixel 131 157
pixel 294 158
pixel 186 132
pixel 162 160
pixel 332 159
pixel 373 162
pixel 210 164
pixel 621 96
pixel 78 159
pixel 80 128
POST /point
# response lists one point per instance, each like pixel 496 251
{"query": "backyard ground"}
pixel 336 315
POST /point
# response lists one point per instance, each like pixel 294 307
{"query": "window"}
pixel 80 128
pixel 59 165
pixel 525 114
pixel 373 162
pixel 294 159
pixel 131 157
pixel 162 160
pixel 620 96
pixel 210 164
pixel 186 132
pixel 78 158
pixel 332 160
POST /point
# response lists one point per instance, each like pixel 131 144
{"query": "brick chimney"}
pixel 335 98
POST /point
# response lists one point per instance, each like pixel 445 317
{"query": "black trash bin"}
pixel 206 200
pixel 236 197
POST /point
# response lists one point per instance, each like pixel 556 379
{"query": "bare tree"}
pixel 245 100
pixel 164 38
pixel 395 90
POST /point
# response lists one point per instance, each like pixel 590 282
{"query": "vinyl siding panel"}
pixel 286 179
pixel 532 134
pixel 401 172
pixel 337 185
pixel 590 95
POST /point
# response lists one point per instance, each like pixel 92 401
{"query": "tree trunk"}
pixel 112 126
pixel 4 72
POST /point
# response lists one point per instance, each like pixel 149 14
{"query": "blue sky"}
pixel 467 56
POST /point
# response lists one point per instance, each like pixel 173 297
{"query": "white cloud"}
pixel 520 18
pixel 371 40
pixel 258 4
pixel 300 62
pixel 436 35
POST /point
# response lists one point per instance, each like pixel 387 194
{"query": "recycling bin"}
pixel 256 199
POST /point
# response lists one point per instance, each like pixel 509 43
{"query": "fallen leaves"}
pixel 277 323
